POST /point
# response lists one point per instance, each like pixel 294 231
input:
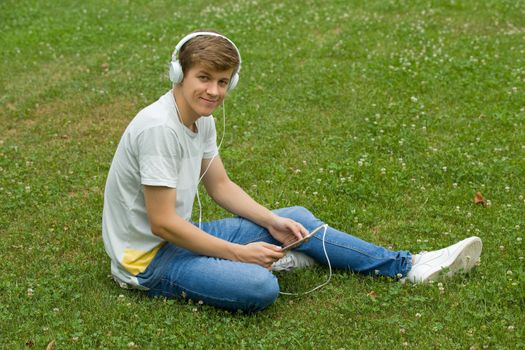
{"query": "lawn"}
pixel 382 117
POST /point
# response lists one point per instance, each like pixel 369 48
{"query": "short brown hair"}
pixel 213 52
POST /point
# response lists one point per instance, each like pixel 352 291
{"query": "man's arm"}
pixel 165 223
pixel 234 199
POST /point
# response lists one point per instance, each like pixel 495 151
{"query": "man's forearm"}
pixel 184 234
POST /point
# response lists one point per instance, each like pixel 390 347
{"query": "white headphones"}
pixel 176 73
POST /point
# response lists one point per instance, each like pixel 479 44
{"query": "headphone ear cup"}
pixel 176 74
pixel 233 82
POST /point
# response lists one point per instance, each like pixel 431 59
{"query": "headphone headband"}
pixel 176 74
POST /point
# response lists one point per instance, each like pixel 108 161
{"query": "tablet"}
pixel 302 240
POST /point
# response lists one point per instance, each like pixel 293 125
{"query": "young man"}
pixel 163 154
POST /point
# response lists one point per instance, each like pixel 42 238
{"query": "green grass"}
pixel 382 117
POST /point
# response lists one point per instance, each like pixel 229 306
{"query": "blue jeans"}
pixel 178 273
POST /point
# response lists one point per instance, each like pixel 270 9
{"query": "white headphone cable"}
pixel 325 227
pixel 212 159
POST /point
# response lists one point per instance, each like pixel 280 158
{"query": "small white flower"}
pixel 418 315
pixel 413 99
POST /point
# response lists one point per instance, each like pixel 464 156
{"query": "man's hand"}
pixel 286 230
pixel 260 253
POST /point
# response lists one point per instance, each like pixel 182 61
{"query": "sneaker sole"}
pixel 461 262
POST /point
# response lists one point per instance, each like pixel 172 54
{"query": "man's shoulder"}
pixel 158 113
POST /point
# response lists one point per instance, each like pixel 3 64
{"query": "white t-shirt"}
pixel 156 150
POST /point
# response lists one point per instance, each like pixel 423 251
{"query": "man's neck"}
pixel 186 117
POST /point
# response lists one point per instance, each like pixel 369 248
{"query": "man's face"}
pixel 204 89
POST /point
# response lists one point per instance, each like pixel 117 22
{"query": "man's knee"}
pixel 262 291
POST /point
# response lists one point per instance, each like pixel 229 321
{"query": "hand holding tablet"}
pixel 302 240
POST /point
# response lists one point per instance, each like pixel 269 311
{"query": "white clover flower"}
pixel 413 99
pixel 418 315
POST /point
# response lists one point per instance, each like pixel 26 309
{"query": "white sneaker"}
pixel 292 260
pixel 459 257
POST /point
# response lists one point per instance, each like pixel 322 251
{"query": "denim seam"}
pixel 348 247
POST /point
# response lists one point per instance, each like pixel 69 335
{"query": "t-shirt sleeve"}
pixel 159 156
pixel 210 144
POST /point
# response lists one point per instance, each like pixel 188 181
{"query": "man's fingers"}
pixel 304 231
pixel 277 252
pixel 299 231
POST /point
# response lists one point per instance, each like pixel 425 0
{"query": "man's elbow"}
pixel 159 227
pixel 219 188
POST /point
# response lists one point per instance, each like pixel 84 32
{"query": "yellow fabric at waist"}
pixel 136 261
